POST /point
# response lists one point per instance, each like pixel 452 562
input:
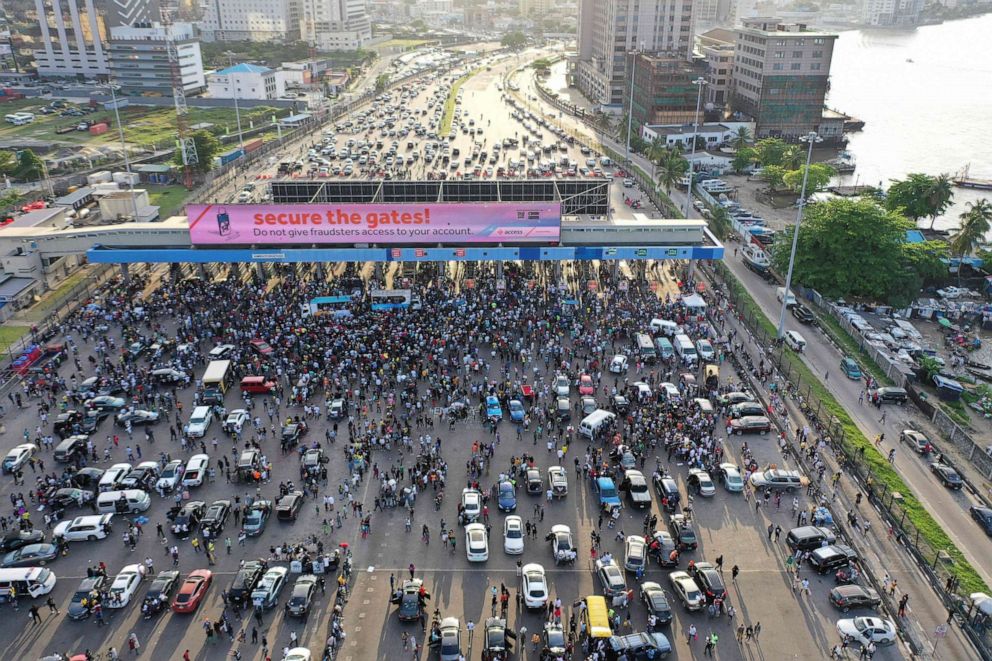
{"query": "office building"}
pixel 336 24
pixel 663 90
pixel 608 30
pixel 780 76
pixel 251 20
pixel 131 12
pixel 246 81
pixel 73 40
pixel 717 48
pixel 535 8
pixel 139 59
pixel 892 13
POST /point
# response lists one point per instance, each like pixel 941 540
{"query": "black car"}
pixel 292 433
pixel 66 423
pixel 846 597
pixel 92 420
pixel 160 592
pixel 65 497
pixel 304 591
pixel 19 539
pixel 831 558
pixel 71 449
pixel 711 584
pixel 637 490
pixel 668 491
pixel 31 555
pixel 656 600
pixel 803 314
pixel 245 581
pixel 410 601
pixel 497 643
pixel 620 403
pixel 682 533
pixel 213 521
pixel 984 517
pixel 947 475
pixel 81 604
pixel 747 408
pixel 87 478
pixel 661 546
pixel 288 507
pixel 187 518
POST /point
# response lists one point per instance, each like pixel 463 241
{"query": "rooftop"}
pixel 11 287
pixel 718 35
pixel 35 218
pixel 244 67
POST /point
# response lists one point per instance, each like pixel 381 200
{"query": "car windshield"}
pixel 608 492
pixel 638 487
pixel 860 625
pixel 253 518
pixel 513 533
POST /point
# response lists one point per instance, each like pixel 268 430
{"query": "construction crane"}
pixel 187 146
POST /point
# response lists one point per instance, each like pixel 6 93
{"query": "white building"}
pixel 608 31
pixel 72 36
pixel 336 24
pixel 250 20
pixel 892 13
pixel 245 81
pixel 139 59
pixel 682 134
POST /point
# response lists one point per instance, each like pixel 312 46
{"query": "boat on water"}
pixel 755 258
pixel 963 179
pixel 843 163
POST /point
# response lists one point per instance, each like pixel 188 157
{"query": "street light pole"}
pixel 237 111
pixel 127 161
pixel 699 83
pixel 630 104
pixel 812 138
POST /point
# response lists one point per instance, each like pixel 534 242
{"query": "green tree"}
pixel 939 197
pixel 670 169
pixel 793 157
pixel 848 248
pixel 909 196
pixel 8 198
pixel 770 151
pixel 928 260
pixel 819 177
pixel 514 40
pixel 741 139
pixel 207 148
pixel 774 176
pixel 743 159
pixel 29 166
pixel 8 162
pixel 381 83
pixel 975 224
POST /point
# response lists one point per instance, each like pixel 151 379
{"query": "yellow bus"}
pixel 597 617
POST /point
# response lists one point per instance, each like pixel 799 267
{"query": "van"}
pixel 645 347
pixel 595 423
pixel 664 326
pixel 781 295
pixel 72 447
pixel 30 581
pixel 597 618
pixel 257 384
pixel 807 538
pixel 795 341
pixel 128 501
pixel 664 347
pixel 685 349
pixel 199 422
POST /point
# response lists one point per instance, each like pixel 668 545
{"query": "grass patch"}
pixel 837 333
pixel 40 310
pixel 9 335
pixel 861 450
pixel 169 198
pixel 402 43
pixel 957 412
pixel 449 104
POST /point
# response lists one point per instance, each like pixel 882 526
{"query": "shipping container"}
pixel 230 156
pixel 99 129
pixel 253 145
pixel 101 177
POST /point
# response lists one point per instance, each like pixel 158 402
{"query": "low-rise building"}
pixel 245 81
pixel 712 134
pixel 663 91
pixel 717 47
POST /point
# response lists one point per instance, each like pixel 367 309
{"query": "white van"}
pixel 665 327
pixel 30 581
pixel 795 341
pixel 199 422
pixel 685 349
pixel 596 422
pixel 780 295
pixel 128 501
pixel 196 470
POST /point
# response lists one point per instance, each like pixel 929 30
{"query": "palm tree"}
pixel 741 138
pixel 793 157
pixel 656 149
pixel 975 224
pixel 671 168
pixel 939 197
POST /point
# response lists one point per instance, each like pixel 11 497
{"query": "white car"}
pixel 562 547
pixel 732 479
pixel 513 535
pixel 266 593
pixel 476 543
pixel 298 654
pixel 865 629
pixel 558 481
pixel 635 553
pixel 671 391
pixel 125 585
pixel 562 386
pixel 19 456
pixel 705 350
pixel 471 505
pixel 84 528
pixel 113 476
pixel 220 351
pixel 534 585
pixel 196 470
pixel 236 421
pixel 619 364
pixel 170 476
pixel 199 422
pixel 687 590
pixel 700 481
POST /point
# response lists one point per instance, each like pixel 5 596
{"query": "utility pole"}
pixel 187 146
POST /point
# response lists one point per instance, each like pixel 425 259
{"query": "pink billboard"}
pixel 405 223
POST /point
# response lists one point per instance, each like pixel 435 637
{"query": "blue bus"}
pixel 390 299
pixel 336 305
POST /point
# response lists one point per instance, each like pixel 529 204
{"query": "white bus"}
pixel 390 299
pixel 19 118
pixel 26 581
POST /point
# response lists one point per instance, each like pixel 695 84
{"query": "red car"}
pixel 261 346
pixel 192 591
pixel 585 385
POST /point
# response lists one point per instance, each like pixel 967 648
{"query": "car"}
pixel 410 598
pixel 69 497
pixel 66 423
pixel 661 548
pixel 338 409
pixel 586 386
pixel 705 350
pixel 517 411
pixel 846 597
pixel 747 408
pixel 890 395
pixel 169 375
pixel 199 422
pixel 636 488
pixel 476 543
pixel 137 417
pixel 730 475
pixel 644 391
pixel 555 641
pixel 81 603
pixel 496 644
pixel 261 347
pixel 245 581
pixel 187 518
pixel 292 433
pixel 493 409
pixel 558 481
pixel 850 368
pixel 619 403
pixel 667 490
pixel 947 475
pixel 170 476
pixel 84 528
pixel 984 517
pixel 802 314
pixel 92 420
pixel 656 600
pixel 535 485
pixel 20 539
pixel 112 477
pixel 106 403
pixel 32 555
pixel 235 421
pixel 506 497
pixel 777 480
pixel 220 352
pixel 142 476
pixel 449 646
pixel 563 408
pixel 868 629
pixel 513 535
pixel 687 591
pixel 298 654
pixel 195 472
pixel 682 532
pixel 635 555
pixel 699 481
pixel 610 578
pixel 125 584
pixel 562 547
pixel 618 364
pixel 588 405
pixel 192 591
pixel 255 518
pixel 562 386
pixel 17 457
pixel 640 645
pixel 288 507
pixel 534 586
pixel 917 440
pixel 266 593
pixel 735 397
pixel 710 582
pixel 314 460
pixel 160 591
pixel 471 505
pixel 87 477
pixel 301 598
pixel 212 523
pixel 832 557
pixel 751 424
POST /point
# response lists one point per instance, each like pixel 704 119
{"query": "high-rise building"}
pixel 131 12
pixel 139 59
pixel 780 76
pixel 610 29
pixel 73 39
pixel 250 20
pixel 663 89
pixel 717 47
pixel 892 13
pixel 335 24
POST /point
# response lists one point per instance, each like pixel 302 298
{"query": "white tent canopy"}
pixel 694 302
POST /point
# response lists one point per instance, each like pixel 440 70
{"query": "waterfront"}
pixel 921 116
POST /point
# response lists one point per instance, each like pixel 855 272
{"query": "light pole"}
pixel 127 161
pixel 812 138
pixel 699 83
pixel 630 104
pixel 237 111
